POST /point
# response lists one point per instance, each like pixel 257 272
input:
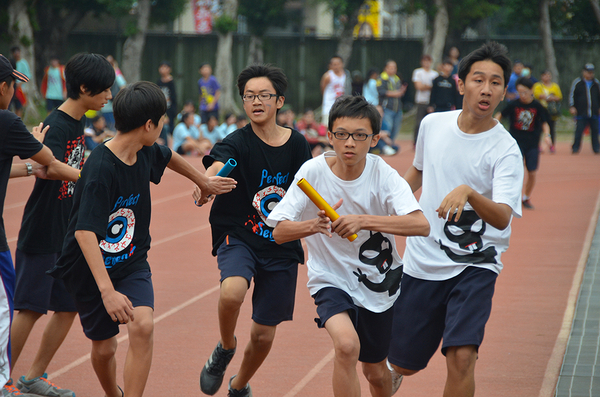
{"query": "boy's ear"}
pixel 461 87
pixel 280 102
pixel 330 137
pixel 149 125
pixel 375 139
pixel 83 90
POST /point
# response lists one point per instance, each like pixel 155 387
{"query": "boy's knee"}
pixel 262 335
pixel 462 358
pixel 142 327
pixel 375 373
pixel 104 350
pixel 347 349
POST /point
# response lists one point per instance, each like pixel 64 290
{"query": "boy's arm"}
pixel 496 214
pixel 412 224
pixel 117 305
pixel 208 186
pixel 291 230
pixel 55 169
pixel 414 177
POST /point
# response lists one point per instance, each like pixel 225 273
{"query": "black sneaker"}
pixel 245 392
pixel 211 377
pixel 527 204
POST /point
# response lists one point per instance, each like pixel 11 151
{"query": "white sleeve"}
pixel 399 198
pixel 291 207
pixel 508 181
pixel 419 147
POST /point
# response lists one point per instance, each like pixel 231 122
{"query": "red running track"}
pixel 525 337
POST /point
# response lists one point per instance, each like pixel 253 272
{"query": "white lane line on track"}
pixel 123 338
pixel 311 374
pixel 556 358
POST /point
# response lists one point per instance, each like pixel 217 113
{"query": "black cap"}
pixel 6 70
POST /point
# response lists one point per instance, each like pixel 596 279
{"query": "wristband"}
pixel 29 169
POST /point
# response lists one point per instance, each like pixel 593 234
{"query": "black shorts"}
pixel 274 280
pixel 374 329
pixel 455 310
pixel 96 323
pixel 531 157
pixel 37 291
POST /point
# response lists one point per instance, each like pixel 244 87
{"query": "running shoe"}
pixel 10 390
pixel 396 378
pixel 245 392
pixel 41 386
pixel 211 377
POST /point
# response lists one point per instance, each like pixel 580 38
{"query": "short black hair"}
pixel 137 103
pixel 355 107
pixel 273 73
pixel 15 49
pixel 8 79
pixel 491 51
pixel 525 81
pixel 92 71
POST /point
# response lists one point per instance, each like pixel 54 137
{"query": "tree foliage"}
pixel 263 14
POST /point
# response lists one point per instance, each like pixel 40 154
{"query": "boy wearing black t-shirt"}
pixel 268 156
pixel 527 118
pixel 88 78
pixel 104 257
pixel 15 140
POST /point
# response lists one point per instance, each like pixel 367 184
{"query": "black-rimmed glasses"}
pixel 261 97
pixel 357 136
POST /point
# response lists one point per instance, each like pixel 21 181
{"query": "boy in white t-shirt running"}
pixel 471 172
pixel 354 284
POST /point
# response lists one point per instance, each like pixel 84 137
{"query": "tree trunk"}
pixel 546 33
pixel 255 52
pixel 596 8
pixel 224 67
pixel 344 47
pixel 133 48
pixel 435 47
pixel 21 34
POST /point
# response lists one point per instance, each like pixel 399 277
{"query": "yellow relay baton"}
pixel 320 203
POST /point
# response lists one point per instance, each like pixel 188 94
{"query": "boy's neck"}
pixel 473 125
pixel 343 171
pixel 126 146
pixel 74 108
pixel 271 133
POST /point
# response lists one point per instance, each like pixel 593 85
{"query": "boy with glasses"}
pixel 354 283
pixel 268 156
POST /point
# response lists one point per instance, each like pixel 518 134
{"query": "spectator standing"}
pixel 454 55
pixel 370 88
pixel 21 65
pixel 511 89
pixel 167 85
pixel 444 93
pixel 54 85
pixel 120 82
pixel 423 80
pixel 210 92
pixel 550 96
pixel 391 89
pixel 334 83
pixel 584 105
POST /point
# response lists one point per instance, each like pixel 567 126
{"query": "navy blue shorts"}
pixel 531 157
pixel 374 329
pixel 274 280
pixel 455 310
pixel 96 323
pixel 36 290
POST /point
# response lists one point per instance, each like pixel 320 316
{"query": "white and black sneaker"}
pixel 211 377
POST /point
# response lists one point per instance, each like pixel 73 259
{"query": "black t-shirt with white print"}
pixel 112 200
pixel 264 173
